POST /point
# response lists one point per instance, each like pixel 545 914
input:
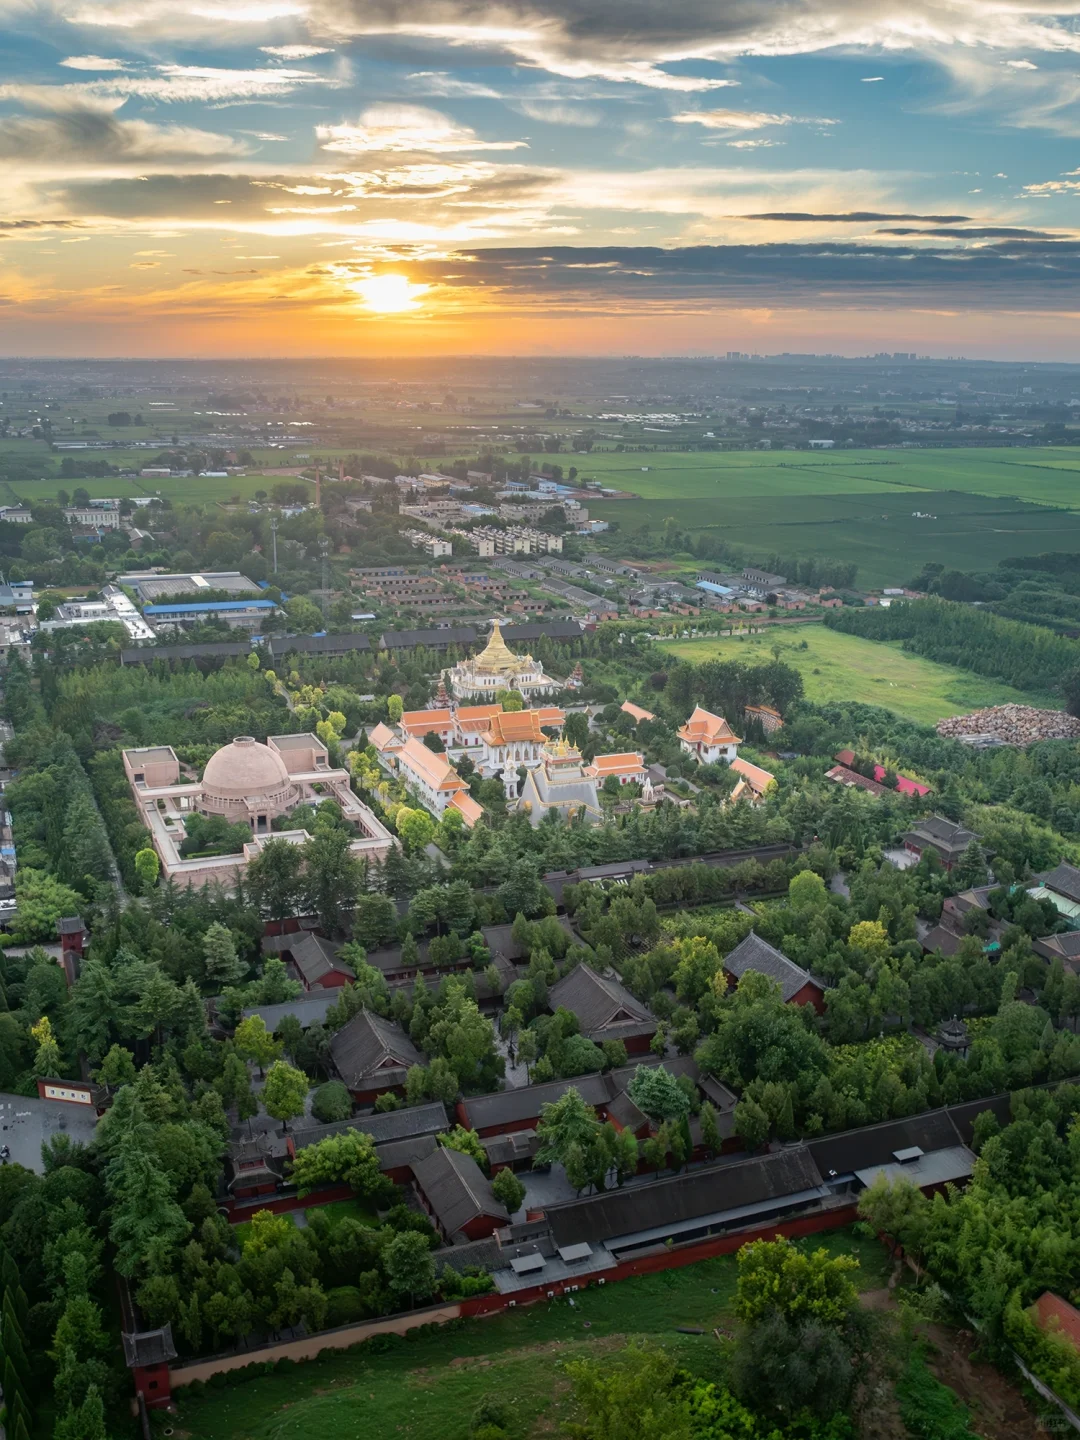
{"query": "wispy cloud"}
pixel 295 52
pixel 399 128
pixel 93 62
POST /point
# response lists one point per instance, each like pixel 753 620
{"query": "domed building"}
pixel 498 668
pixel 245 783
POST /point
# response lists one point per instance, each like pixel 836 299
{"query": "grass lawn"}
pixel 428 1389
pixel 835 666
pixel 354 1209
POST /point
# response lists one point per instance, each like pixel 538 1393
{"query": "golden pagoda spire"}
pixel 497 658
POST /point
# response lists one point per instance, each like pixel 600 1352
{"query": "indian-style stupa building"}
pixel 498 668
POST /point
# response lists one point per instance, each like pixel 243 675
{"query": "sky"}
pixel 423 177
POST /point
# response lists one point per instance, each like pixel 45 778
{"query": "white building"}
pixel 708 738
pixel 498 668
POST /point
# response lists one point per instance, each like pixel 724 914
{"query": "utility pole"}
pixel 324 548
pixel 273 532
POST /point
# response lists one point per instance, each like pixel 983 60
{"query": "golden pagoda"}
pixel 498 668
pixel 497 658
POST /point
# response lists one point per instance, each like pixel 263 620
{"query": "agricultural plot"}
pixel 428 1389
pixel 835 666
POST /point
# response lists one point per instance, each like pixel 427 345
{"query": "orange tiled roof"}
pixel 383 738
pixel 758 779
pixel 1055 1315
pixel 551 715
pixel 635 711
pixel 464 802
pixel 509 727
pixel 435 769
pixel 626 763
pixel 476 717
pixel 425 722
pixel 704 727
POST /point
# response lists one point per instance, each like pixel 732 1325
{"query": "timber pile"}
pixel 1011 725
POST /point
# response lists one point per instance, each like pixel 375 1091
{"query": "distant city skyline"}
pixel 363 177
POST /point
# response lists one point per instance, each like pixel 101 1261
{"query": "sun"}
pixel 390 294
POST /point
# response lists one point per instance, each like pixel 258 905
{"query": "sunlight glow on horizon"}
pixel 390 294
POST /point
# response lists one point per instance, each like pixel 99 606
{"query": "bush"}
pixel 331 1102
pixel 344 1306
pixel 928 1408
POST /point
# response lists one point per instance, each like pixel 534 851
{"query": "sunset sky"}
pixel 296 177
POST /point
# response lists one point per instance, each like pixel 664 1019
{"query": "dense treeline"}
pixel 1026 656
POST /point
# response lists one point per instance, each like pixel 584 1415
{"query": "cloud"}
pixel 401 128
pixel 731 119
pixel 97 136
pixel 853 217
pixel 166 83
pixel 871 79
pixel 1021 65
pixel 734 121
pixel 441 82
pixel 639 42
pixel 1019 274
pixel 758 144
pixel 973 232
pixel 93 62
pixel 295 52
pixel 555 112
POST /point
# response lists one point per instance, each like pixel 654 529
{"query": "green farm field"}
pixel 888 511
pixel 835 666
pixel 428 1389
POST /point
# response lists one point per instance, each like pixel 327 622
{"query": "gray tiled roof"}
pixel 757 1182
pixel 456 1189
pixel 371 1048
pixel 753 953
pixel 1065 879
pixel 604 1007
pixel 853 1150
pixel 316 958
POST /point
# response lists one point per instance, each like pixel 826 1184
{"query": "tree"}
pixel 85 1421
pixel 658 1093
pixel 710 1129
pixel 47 1057
pixel 416 829
pixel 374 921
pixel 629 1398
pixel 467 1142
pixel 776 1276
pixel 331 876
pixel 144 1214
pixel 147 868
pixel 564 1123
pixel 971 868
pixel 331 1102
pixel 806 891
pixel 395 708
pixel 285 1092
pixel 409 1266
pixel 508 1190
pixel 346 1159
pixel 41 901
pixel 522 893
pixel 254 1042
pixel 274 879
pixel 752 1124
pixel 116 1069
pixel 223 966
pixel 899 1209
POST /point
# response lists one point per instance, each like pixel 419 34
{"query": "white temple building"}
pixel 498 668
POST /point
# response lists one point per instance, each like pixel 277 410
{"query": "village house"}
pixel 945 837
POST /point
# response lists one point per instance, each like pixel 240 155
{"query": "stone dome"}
pixel 244 768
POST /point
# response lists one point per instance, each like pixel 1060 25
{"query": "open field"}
pixel 428 1389
pixel 835 666
pixel 1048 476
pixel 975 507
